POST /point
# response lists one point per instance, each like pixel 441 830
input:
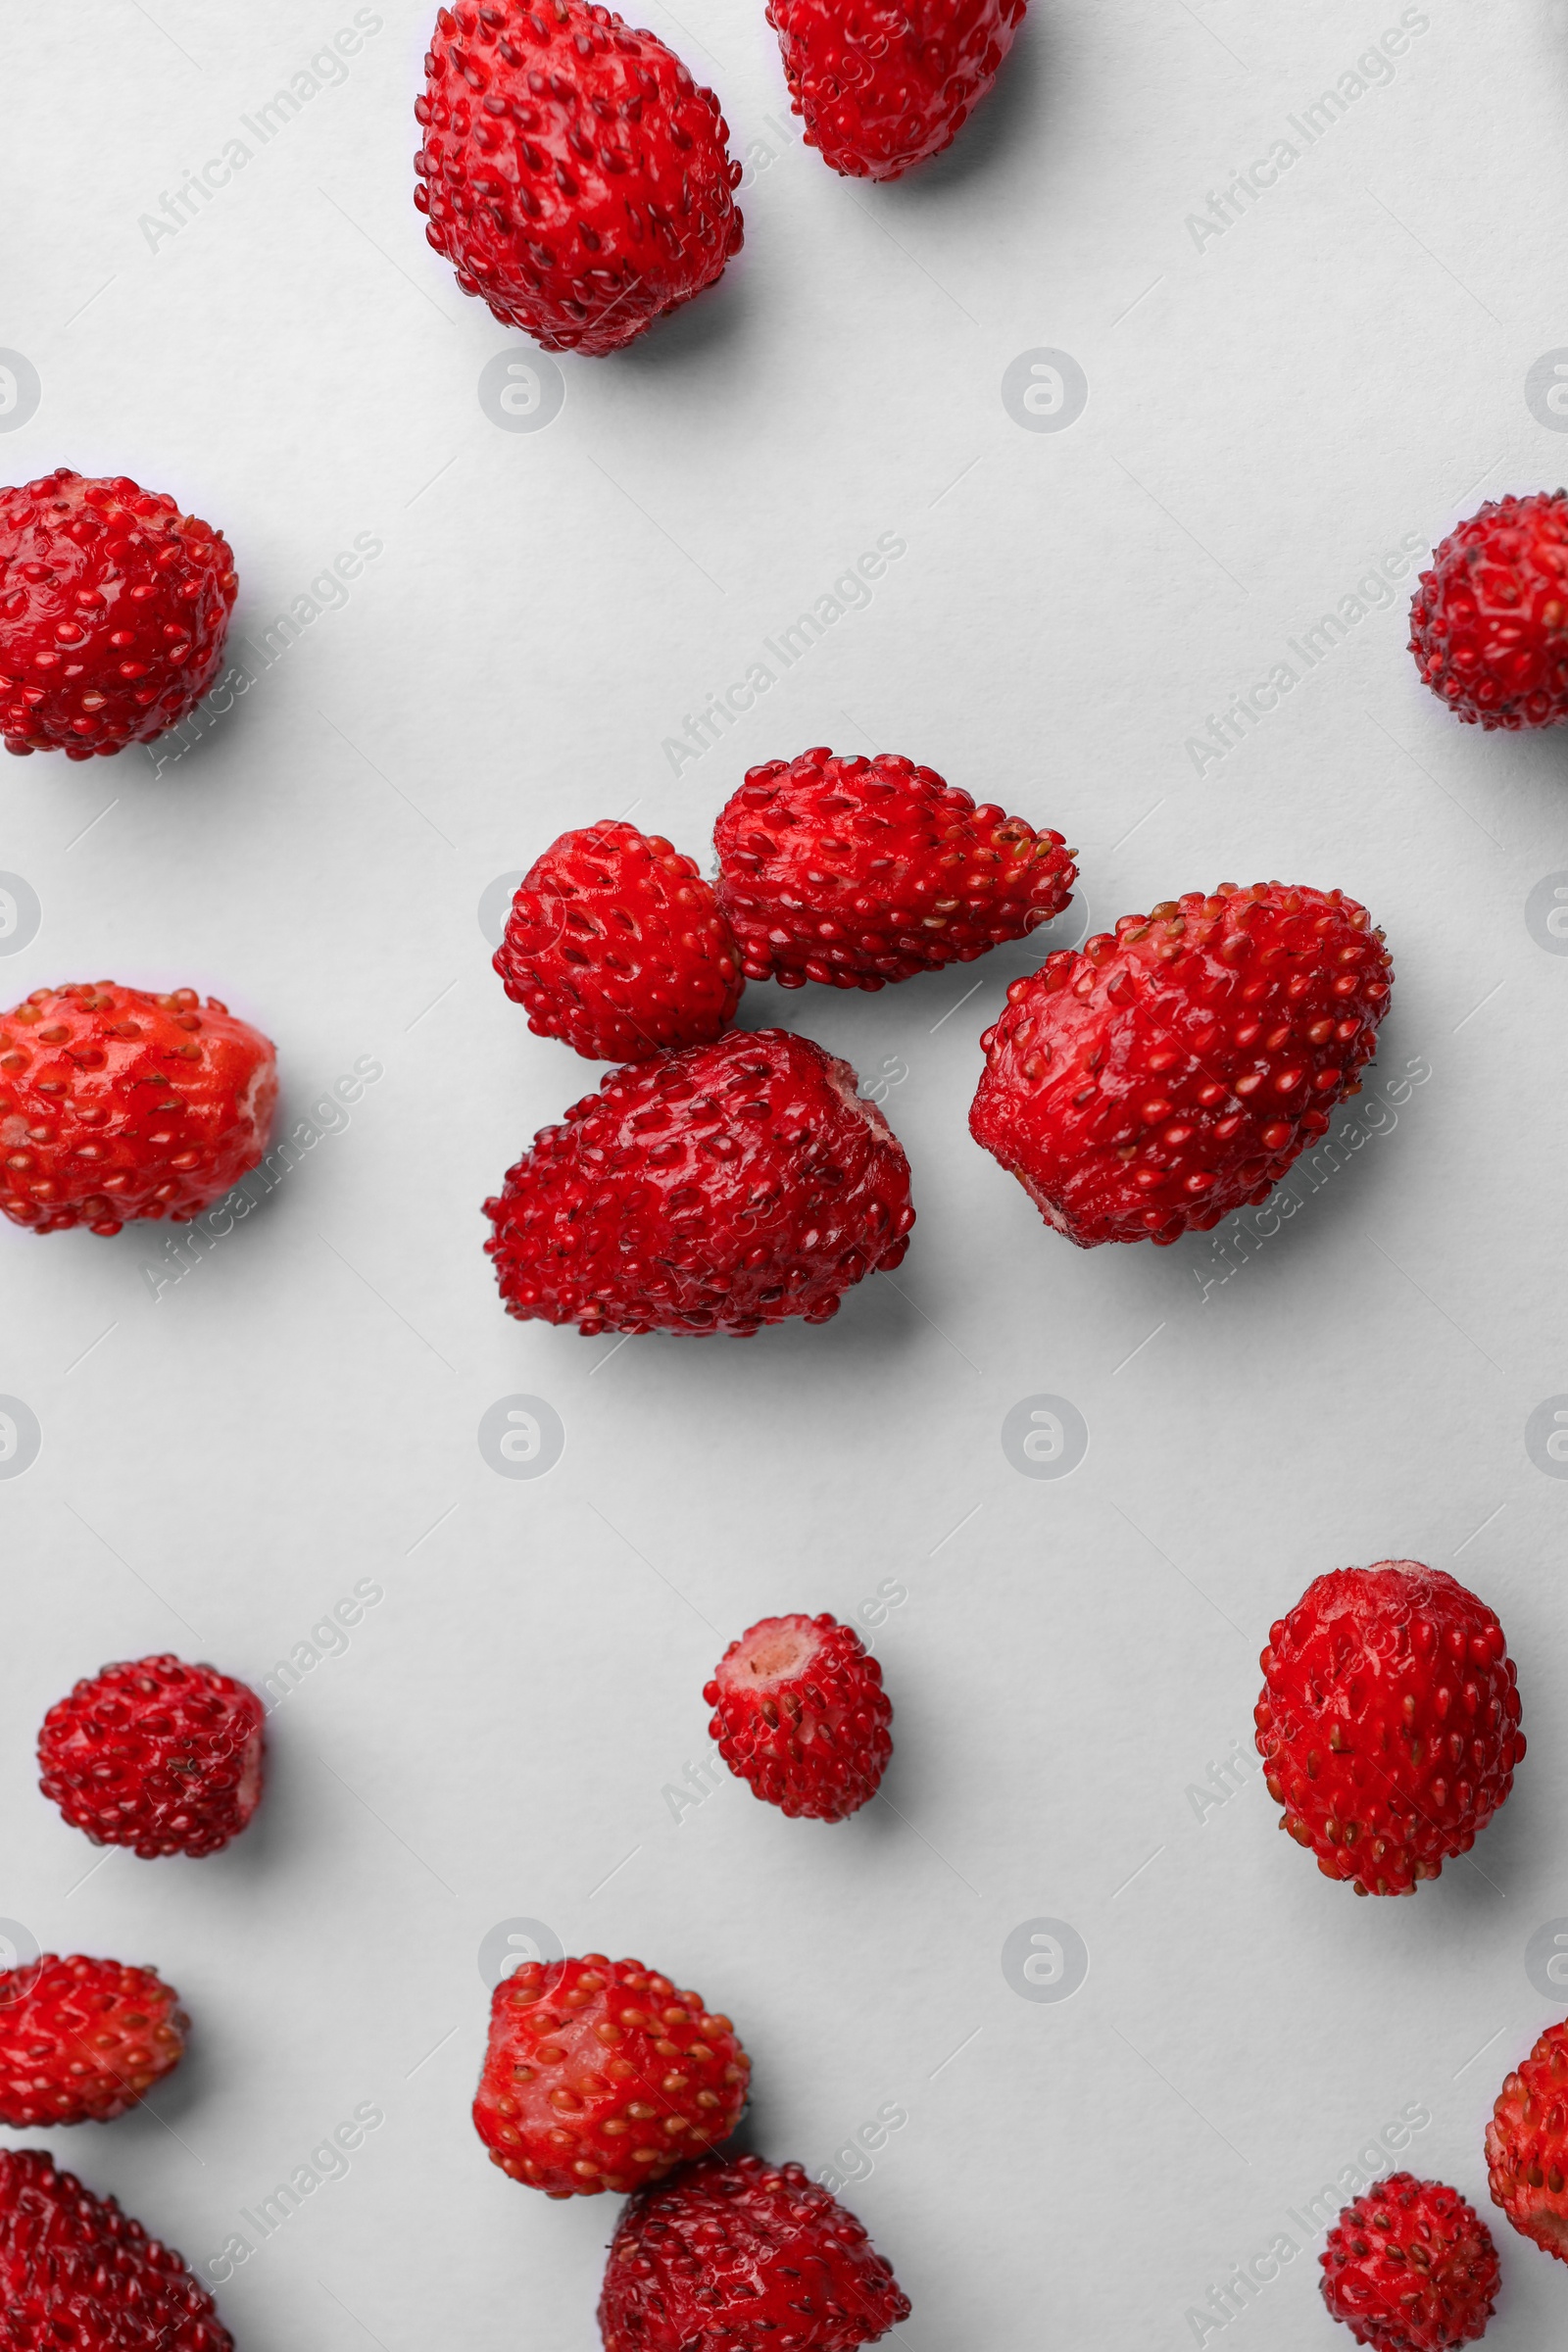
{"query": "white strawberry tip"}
pixel 778 1650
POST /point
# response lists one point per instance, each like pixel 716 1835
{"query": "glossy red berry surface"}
pixel 1388 1722
pixel 801 1714
pixel 744 2257
pixel 885 84
pixel 856 872
pixel 1410 2267
pixel 615 943
pixel 718 1189
pixel 573 174
pixel 1527 2144
pixel 82 2041
pixel 1489 623
pixel 156 1755
pixel 114 608
pixel 117 1104
pixel 1148 1084
pixel 76 2275
pixel 599 2075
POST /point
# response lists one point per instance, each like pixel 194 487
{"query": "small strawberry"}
pixel 114 607
pixel 1488 623
pixel 599 2075
pixel 884 88
pixel 743 2257
pixel 801 1715
pixel 154 1754
pixel 861 871
pixel 82 2041
pixel 716 1189
pixel 1410 2267
pixel 615 943
pixel 1527 2144
pixel 573 174
pixel 76 2275
pixel 1388 1722
pixel 115 1104
pixel 1150 1082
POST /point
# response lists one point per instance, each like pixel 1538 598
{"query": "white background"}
pixel 221 1462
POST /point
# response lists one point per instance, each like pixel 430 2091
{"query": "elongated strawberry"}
pixel 1150 1082
pixel 573 174
pixel 885 84
pixel 78 2274
pixel 856 872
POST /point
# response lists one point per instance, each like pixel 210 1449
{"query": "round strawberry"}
pixel 1527 2144
pixel 884 88
pixel 115 1104
pixel 1410 2267
pixel 1488 623
pixel 154 1754
pixel 114 607
pixel 741 2256
pixel 1388 1722
pixel 599 2075
pixel 1150 1082
pixel 800 1712
pixel 861 871
pixel 76 2275
pixel 615 943
pixel 718 1189
pixel 572 172
pixel 82 2041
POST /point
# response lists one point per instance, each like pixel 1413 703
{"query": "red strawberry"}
pixel 801 1715
pixel 1410 2267
pixel 1527 2144
pixel 1148 1084
pixel 1488 623
pixel 615 942
pixel 1388 1722
pixel 884 87
pixel 743 2257
pixel 156 1754
pixel 114 607
pixel 713 1189
pixel 82 2041
pixel 77 2276
pixel 573 174
pixel 861 871
pixel 599 2075
pixel 117 1104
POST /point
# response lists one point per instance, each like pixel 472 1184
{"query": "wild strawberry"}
pixel 1527 2144
pixel 1488 623
pixel 741 2256
pixel 575 175
pixel 1388 1722
pixel 1410 2267
pixel 716 1189
pixel 861 871
pixel 156 1754
pixel 82 2041
pixel 801 1715
pixel 76 2272
pixel 615 943
pixel 884 88
pixel 1150 1082
pixel 114 607
pixel 599 2075
pixel 115 1104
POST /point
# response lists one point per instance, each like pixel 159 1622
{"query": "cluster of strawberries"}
pixel 599 2073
